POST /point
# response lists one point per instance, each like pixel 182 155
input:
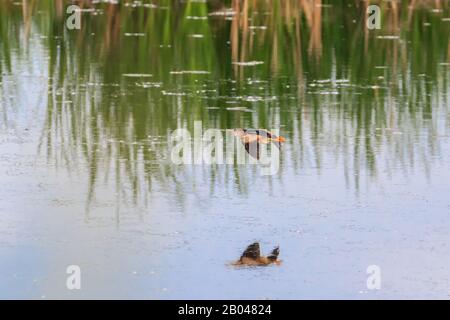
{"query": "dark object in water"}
pixel 252 138
pixel 252 257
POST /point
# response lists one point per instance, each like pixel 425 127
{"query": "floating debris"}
pixel 136 4
pixel 242 109
pixel 227 12
pixel 106 1
pixel 151 6
pixel 328 92
pixel 257 98
pixel 196 35
pixel 389 37
pixel 146 85
pixel 197 17
pixel 258 27
pixel 100 84
pixel 190 72
pixel 137 75
pixel 167 93
pixel 248 63
pixel 324 81
pixel 137 34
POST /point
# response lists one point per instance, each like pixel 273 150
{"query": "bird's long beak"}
pixel 279 139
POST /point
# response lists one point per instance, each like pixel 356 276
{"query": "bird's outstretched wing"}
pixel 274 254
pixel 252 251
pixel 253 149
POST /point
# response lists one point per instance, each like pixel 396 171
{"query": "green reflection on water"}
pixel 341 94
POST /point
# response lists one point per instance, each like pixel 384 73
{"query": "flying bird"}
pixel 252 138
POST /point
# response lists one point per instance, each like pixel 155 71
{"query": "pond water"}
pixel 85 176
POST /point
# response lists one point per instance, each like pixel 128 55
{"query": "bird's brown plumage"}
pixel 252 257
pixel 257 135
pixel 253 138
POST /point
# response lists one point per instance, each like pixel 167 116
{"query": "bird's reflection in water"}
pixel 252 257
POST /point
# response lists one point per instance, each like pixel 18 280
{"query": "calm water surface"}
pixel 85 176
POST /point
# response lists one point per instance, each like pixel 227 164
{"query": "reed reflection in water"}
pixel 362 111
